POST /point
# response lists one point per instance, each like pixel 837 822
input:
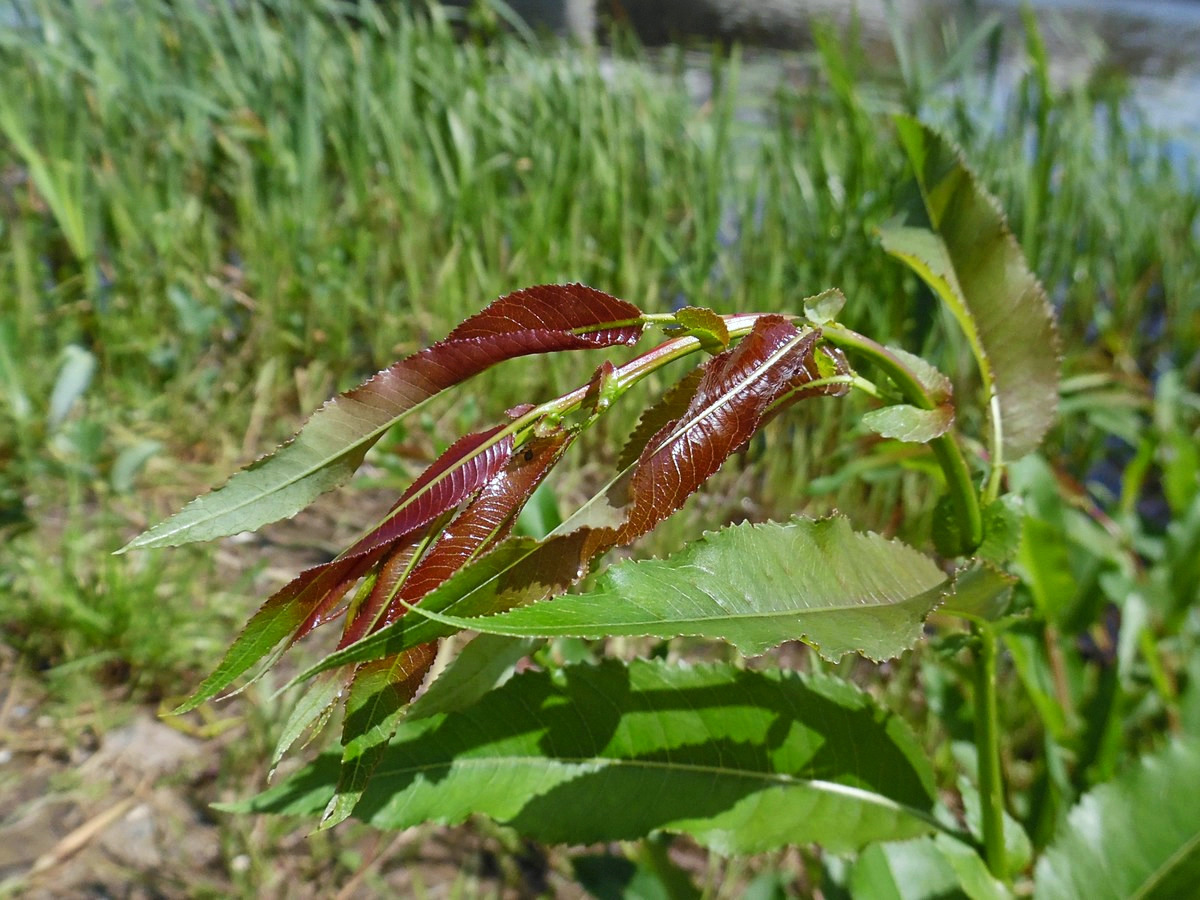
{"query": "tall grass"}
pixel 236 209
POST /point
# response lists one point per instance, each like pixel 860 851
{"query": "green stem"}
pixel 945 448
pixel 987 748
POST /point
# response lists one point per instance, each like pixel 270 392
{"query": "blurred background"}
pixel 213 216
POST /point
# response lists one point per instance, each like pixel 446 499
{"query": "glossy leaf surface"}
pixel 382 688
pixel 332 444
pixel 734 393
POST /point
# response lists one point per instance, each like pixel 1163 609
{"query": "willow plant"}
pixel 742 760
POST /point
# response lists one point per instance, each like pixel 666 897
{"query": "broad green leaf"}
pixel 972 261
pixel 910 424
pixel 927 868
pixel 743 761
pixel 332 444
pixel 754 586
pixel 1135 836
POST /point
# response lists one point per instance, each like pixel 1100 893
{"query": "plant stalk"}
pixel 945 448
pixel 987 748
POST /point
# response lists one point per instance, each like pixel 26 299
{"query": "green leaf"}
pixel 704 325
pixel 1001 530
pixel 936 384
pixel 1135 836
pixel 824 308
pixel 485 663
pixel 928 868
pixel 973 262
pixel 743 761
pixel 981 591
pixel 910 423
pixel 332 444
pixel 754 586
pixel 737 389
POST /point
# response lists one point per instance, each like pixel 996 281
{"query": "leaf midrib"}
pixel 658 620
pixel 770 779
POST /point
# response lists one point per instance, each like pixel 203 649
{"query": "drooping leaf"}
pixel 377 697
pixel 307 600
pixel 744 761
pixel 332 444
pixel 736 391
pixel 314 705
pixel 973 262
pixel 382 688
pixel 1135 836
pixel 754 586
pixel 280 618
pixel 910 423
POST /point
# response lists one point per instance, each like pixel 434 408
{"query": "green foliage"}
pixel 753 586
pixel 743 761
pixel 1136 836
pixel 972 261
pixel 203 234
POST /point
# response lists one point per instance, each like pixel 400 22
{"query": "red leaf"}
pixel 485 521
pixel 735 391
pixel 459 472
pixel 670 407
pixel 333 442
pixel 734 394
